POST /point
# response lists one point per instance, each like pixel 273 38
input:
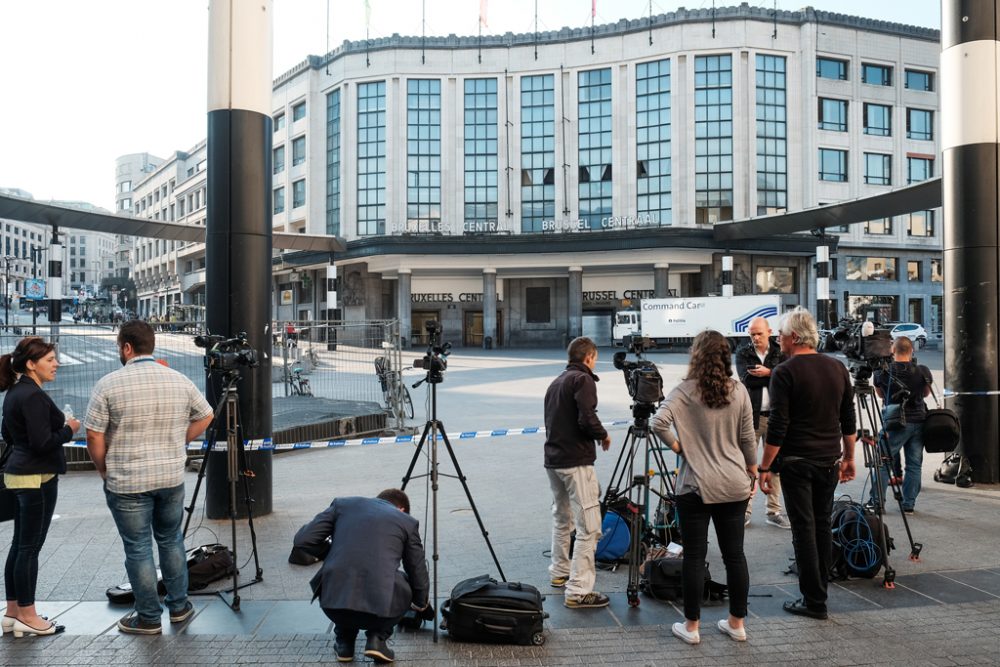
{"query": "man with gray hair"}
pixel 810 439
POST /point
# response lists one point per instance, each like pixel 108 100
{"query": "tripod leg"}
pixel 622 466
pixel 246 474
pixel 213 437
pixel 232 444
pixel 416 455
pixel 472 503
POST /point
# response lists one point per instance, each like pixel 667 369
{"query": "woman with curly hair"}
pixel 34 430
pixel 708 420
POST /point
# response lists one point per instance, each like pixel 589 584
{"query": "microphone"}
pixel 868 328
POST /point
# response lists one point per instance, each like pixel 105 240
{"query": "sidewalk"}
pixel 942 612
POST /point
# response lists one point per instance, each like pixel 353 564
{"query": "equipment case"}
pixel 482 609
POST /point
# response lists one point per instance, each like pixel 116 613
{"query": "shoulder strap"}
pixel 937 403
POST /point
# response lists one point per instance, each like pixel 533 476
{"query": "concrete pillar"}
pixel 489 305
pixel 727 275
pixel 575 300
pixel 404 310
pixel 823 286
pixel 970 148
pixel 661 280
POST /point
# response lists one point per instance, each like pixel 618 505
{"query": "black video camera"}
pixel 435 361
pixel 227 354
pixel 642 378
pixel 864 351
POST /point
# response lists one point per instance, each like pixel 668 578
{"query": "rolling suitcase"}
pixel 482 609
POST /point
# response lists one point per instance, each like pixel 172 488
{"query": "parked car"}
pixel 915 332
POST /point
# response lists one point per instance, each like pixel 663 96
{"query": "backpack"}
pixel 941 432
pixel 615 539
pixel 208 563
pixel 857 542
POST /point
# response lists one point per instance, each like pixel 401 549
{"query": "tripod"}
pixel 434 431
pixel 878 455
pixel 633 499
pixel 236 468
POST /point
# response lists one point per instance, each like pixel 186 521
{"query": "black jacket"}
pixel 746 356
pixel 916 378
pixel 370 537
pixel 35 428
pixel 571 423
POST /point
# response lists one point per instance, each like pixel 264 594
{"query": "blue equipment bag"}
pixel 615 539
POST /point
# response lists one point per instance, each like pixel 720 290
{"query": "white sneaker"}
pixel 779 520
pixel 734 634
pixel 680 630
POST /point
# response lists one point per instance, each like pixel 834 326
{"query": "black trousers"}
pixel 694 515
pixel 31 524
pixel 347 623
pixel 808 489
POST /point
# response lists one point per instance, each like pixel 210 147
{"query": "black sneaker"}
pixel 591 600
pixel 799 608
pixel 186 612
pixel 134 625
pixel 344 650
pixel 378 650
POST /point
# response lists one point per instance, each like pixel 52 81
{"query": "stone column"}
pixel 490 306
pixel 404 305
pixel 661 280
pixel 575 300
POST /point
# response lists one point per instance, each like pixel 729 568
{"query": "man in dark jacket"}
pixel 571 428
pixel 360 585
pixel 754 361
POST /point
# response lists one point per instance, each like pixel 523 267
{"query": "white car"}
pixel 915 332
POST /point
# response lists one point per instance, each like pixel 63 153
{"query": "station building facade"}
pixel 521 188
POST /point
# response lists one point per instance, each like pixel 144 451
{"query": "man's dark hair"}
pixel 580 348
pixel 139 335
pixel 902 345
pixel 397 498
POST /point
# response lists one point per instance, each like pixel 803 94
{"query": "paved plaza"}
pixel 942 612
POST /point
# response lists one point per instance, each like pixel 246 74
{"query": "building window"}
pixel 279 123
pixel 871 268
pixel 298 111
pixel 298 150
pixel 423 155
pixel 481 193
pixel 878 169
pixel 936 276
pixel 278 159
pixel 832 115
pixel 279 200
pixel 876 75
pixel 371 158
pixel 921 223
pixel 538 178
pixel 913 271
pixel 713 128
pixel 125 204
pixel 917 80
pixel 878 120
pixel 832 165
pixel 775 280
pixel 919 169
pixel 880 227
pixel 654 203
pixel 299 193
pixel 772 147
pixel 831 68
pixel 333 163
pixel 919 124
pixel 594 112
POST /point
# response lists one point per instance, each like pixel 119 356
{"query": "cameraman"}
pixel 905 382
pixel 754 361
pixel 571 428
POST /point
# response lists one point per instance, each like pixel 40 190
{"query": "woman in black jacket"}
pixel 35 430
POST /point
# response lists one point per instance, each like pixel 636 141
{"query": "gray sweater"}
pixel 717 444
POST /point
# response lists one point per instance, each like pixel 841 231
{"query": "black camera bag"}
pixel 663 581
pixel 857 541
pixel 941 432
pixel 208 563
pixel 482 609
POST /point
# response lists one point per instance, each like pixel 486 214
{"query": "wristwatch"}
pixel 760 470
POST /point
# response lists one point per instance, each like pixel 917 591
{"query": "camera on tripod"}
pixel 642 378
pixel 227 354
pixel 435 361
pixel 865 346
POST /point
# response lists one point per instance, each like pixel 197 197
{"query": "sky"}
pixel 88 81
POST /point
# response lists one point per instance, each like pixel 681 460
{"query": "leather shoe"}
pixel 799 608
pixel 344 650
pixel 378 650
pixel 21 629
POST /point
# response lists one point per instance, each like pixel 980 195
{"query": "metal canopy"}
pixel 28 210
pixel 920 197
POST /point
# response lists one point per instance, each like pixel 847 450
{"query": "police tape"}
pixel 266 444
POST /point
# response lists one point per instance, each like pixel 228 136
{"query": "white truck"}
pixel 678 320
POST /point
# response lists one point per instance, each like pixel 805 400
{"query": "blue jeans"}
pixel 160 513
pixel 31 525
pixel 909 440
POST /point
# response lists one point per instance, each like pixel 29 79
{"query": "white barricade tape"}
pixel 265 444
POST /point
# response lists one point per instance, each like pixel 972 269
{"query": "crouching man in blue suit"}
pixel 360 585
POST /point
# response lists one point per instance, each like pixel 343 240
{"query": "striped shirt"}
pixel 144 410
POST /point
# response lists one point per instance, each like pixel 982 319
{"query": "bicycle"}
pixel 298 384
pixel 394 392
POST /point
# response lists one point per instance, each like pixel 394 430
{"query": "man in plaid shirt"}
pixel 139 422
